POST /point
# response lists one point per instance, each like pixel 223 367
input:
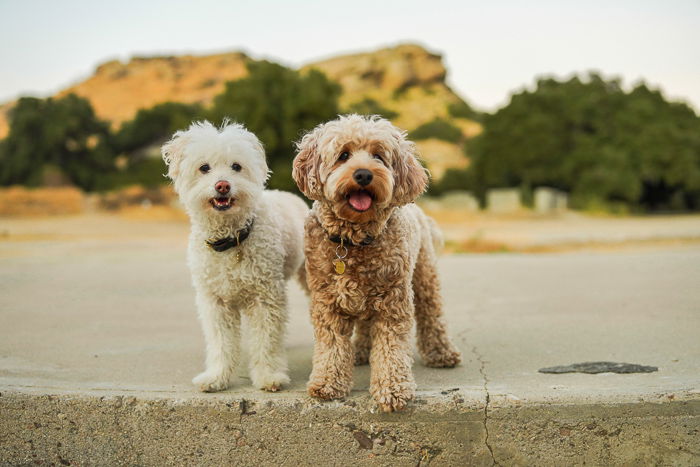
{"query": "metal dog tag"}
pixel 338 262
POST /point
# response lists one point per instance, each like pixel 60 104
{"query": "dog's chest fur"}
pixel 373 274
pixel 228 272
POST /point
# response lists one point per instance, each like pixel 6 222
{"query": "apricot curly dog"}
pixel 370 259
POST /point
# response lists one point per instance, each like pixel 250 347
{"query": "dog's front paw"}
pixel 326 391
pixel 394 397
pixel 268 380
pixel 210 381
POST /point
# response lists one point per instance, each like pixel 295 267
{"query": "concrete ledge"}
pixel 78 429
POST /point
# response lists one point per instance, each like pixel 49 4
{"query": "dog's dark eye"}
pixel 344 156
pixel 204 168
pixel 236 166
pixel 378 157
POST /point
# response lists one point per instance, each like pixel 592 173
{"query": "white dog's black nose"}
pixel 363 177
pixel 222 187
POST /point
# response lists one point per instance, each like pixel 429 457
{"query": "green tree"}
pixel 137 142
pixel 369 106
pixel 24 151
pixel 452 180
pixel 64 133
pixel 155 125
pixel 588 136
pixel 440 129
pixel 278 104
pixel 461 109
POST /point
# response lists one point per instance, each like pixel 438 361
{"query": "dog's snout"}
pixel 222 187
pixel 363 177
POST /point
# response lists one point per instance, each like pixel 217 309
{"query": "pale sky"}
pixel 490 48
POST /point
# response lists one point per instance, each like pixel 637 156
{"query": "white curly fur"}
pixel 227 288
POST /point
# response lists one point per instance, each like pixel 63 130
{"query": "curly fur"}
pixel 387 282
pixel 248 280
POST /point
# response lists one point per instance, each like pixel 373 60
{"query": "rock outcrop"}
pixel 406 79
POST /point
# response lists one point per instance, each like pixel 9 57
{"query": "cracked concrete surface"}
pixel 99 340
pixel 482 371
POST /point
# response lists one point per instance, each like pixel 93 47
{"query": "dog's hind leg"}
pixel 267 319
pixel 221 327
pixel 434 345
pixel 362 341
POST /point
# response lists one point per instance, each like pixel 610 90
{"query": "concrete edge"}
pixel 118 429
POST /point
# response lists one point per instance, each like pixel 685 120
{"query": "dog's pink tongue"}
pixel 360 200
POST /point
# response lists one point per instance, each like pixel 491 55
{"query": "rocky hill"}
pixel 407 80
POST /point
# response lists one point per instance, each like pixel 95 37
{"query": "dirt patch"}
pixel 133 202
pixel 139 196
pixel 19 201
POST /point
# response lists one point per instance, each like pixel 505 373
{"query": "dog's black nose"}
pixel 363 177
pixel 222 187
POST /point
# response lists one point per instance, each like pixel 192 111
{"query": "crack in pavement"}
pixel 482 370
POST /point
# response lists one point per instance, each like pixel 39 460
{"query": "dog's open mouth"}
pixel 360 200
pixel 221 203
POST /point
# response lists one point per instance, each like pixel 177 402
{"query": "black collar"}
pixel 346 241
pixel 225 243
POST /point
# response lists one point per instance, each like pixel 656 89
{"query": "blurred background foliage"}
pixel 605 146
pixel 587 136
pixel 46 134
pixel 439 129
pixel 369 106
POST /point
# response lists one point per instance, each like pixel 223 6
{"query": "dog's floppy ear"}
pixel 173 153
pixel 305 170
pixel 410 177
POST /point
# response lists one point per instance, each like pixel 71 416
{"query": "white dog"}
pixel 244 244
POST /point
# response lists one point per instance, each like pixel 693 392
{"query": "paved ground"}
pixel 112 314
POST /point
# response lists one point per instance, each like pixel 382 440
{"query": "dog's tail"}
pixel 436 235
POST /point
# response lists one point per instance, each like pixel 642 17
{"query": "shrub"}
pixel 438 128
pixel 370 106
pixel 461 109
